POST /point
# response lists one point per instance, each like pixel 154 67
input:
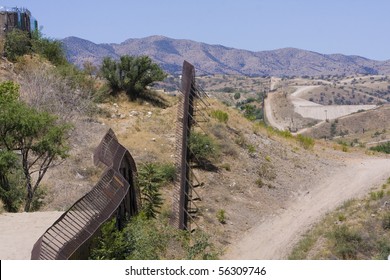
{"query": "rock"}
pixel 133 113
pixel 79 176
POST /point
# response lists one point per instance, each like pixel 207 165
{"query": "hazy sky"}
pixel 352 27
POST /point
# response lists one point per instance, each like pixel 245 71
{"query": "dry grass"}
pixel 357 230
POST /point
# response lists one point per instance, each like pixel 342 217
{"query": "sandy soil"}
pixel 20 231
pixel 275 237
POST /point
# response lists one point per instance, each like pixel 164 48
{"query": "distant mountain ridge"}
pixel 216 59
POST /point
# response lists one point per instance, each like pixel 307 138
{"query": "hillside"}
pixel 217 59
pixel 259 173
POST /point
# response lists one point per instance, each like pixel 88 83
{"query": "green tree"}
pixel 11 192
pixel 50 49
pixel 131 74
pixel 17 43
pixel 36 136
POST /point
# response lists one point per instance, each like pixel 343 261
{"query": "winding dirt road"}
pixel 275 237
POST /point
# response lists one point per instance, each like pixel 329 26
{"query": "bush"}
pixel 17 43
pixel 150 180
pixel 306 142
pixel 347 242
pixel 201 247
pixel 237 95
pixel 167 171
pixel 386 221
pixel 221 216
pixel 12 192
pixel 145 239
pixel 202 148
pixel 383 148
pixel 221 116
pixel 50 49
pixel 131 74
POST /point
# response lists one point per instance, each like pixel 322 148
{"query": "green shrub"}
pixel 131 74
pixel 341 217
pixel 221 216
pixel 167 171
pixel 383 148
pixel 17 43
pixel 252 113
pixel 237 95
pixel 141 239
pixel 347 242
pixel 12 191
pixel 145 239
pixel 110 245
pixel 251 149
pixel 384 249
pixel 219 115
pixel 202 147
pixel 386 221
pixel 306 142
pixel 150 180
pixel 377 195
pixel 50 49
pixel 285 133
pixel 201 247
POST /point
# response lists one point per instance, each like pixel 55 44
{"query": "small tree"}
pixel 37 136
pixel 131 74
pixel 50 49
pixel 17 43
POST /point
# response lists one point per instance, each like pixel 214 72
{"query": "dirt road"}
pixel 20 231
pixel 275 237
pixel 269 115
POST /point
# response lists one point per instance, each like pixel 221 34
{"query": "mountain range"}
pixel 216 59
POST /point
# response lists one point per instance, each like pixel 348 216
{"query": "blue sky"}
pixel 352 27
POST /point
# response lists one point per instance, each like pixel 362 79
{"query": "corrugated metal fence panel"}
pixel 85 216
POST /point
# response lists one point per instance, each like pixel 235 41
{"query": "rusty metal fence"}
pixel 183 205
pixel 116 194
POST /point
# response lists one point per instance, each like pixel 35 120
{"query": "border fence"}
pixel 189 113
pixel 116 194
